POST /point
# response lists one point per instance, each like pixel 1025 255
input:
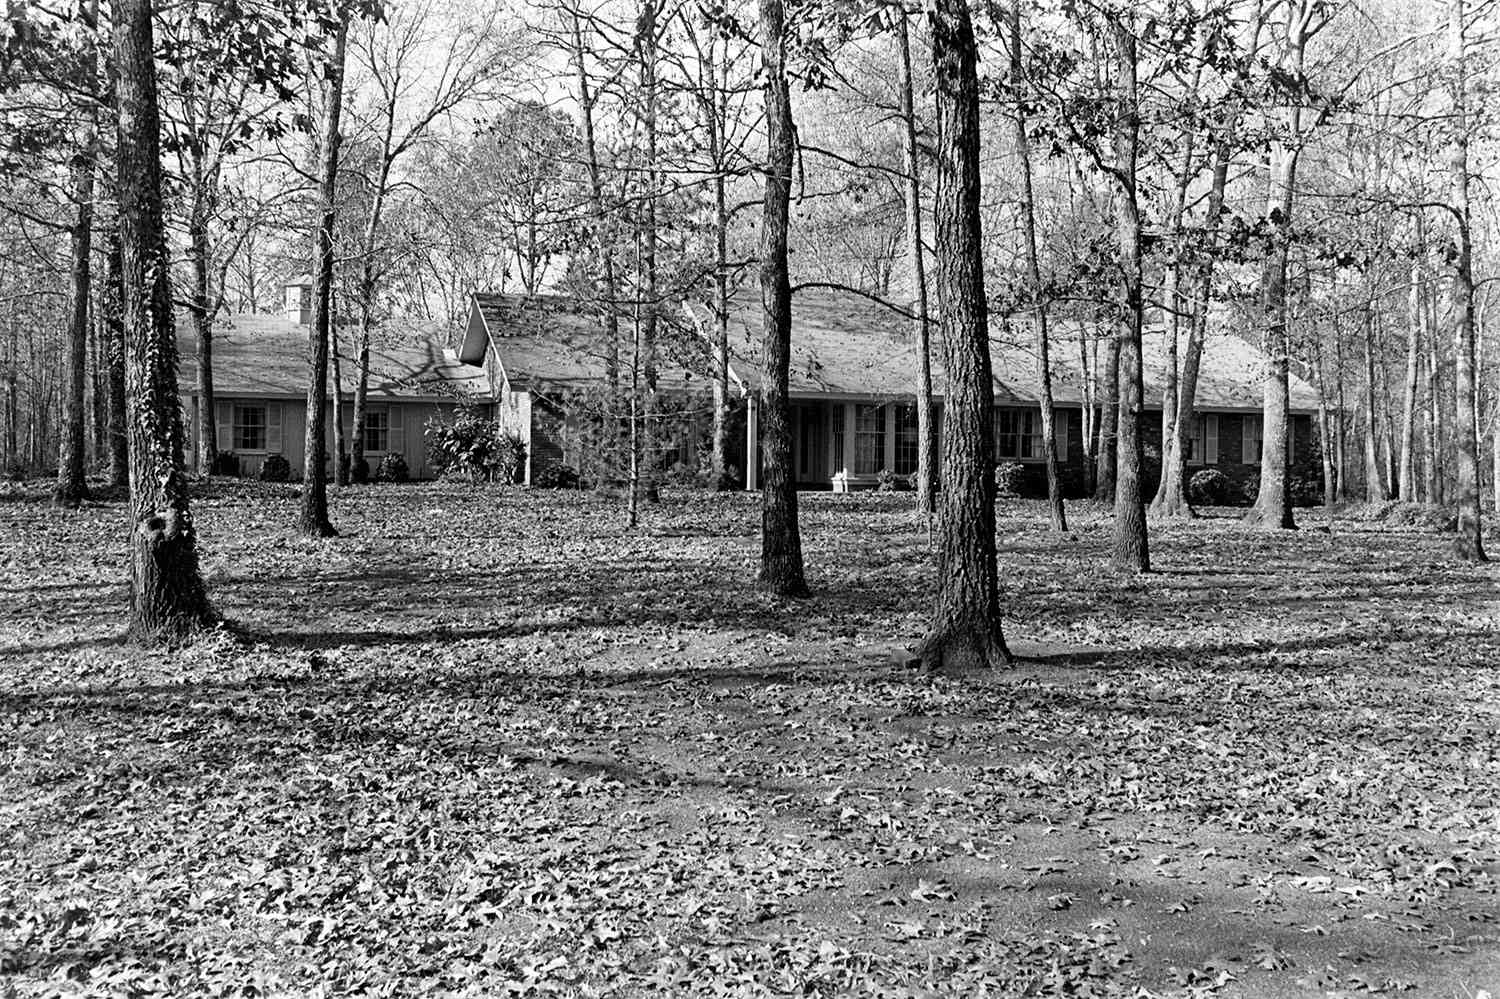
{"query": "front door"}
pixel 808 462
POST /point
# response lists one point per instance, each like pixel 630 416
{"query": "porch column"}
pixel 752 442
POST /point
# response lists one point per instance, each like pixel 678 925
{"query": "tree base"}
pixel 961 648
pixel 318 529
pixel 1277 519
pixel 168 606
pixel 70 495
pixel 793 588
pixel 1171 509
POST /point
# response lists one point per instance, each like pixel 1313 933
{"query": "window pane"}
pixel 906 440
pixel 377 430
pixel 869 439
pixel 249 431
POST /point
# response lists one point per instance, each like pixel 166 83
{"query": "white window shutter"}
pixel 1060 434
pixel 396 437
pixel 224 428
pixel 1211 439
pixel 273 427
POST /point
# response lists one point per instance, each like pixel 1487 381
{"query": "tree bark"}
pixel 1109 422
pixel 1056 512
pixel 314 520
pixel 201 309
pixel 1375 489
pixel 921 324
pixel 1469 545
pixel 72 485
pixel 168 601
pixel 1131 551
pixel 115 352
pixel 781 539
pixel 716 124
pixel 1273 503
pixel 966 630
pixel 1407 477
pixel 651 445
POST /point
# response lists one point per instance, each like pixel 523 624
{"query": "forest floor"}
pixel 490 743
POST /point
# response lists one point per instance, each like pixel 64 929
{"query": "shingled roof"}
pixel 265 356
pixel 843 345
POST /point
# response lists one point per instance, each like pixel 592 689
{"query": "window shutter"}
pixel 1211 439
pixel 1247 454
pixel 396 436
pixel 273 427
pixel 1060 434
pixel 224 429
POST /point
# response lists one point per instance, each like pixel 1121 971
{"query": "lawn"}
pixel 491 743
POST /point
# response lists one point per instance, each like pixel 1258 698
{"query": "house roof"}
pixel 845 345
pixel 266 355
pixel 549 340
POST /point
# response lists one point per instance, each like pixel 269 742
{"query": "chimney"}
pixel 299 292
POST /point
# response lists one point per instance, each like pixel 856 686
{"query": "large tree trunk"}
pixel 72 485
pixel 781 538
pixel 966 615
pixel 115 350
pixel 1273 504
pixel 926 438
pixel 168 602
pixel 314 520
pixel 1469 545
pixel 336 404
pixel 1131 551
pixel 1050 458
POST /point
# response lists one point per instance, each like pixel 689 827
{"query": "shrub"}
pixel 392 469
pixel 475 448
pixel 555 477
pixel 1209 487
pixel 1009 478
pixel 887 481
pixel 275 469
pixel 1307 490
pixel 225 463
pixel 1250 489
pixel 359 471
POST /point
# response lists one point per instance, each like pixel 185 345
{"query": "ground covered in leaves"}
pixel 491 743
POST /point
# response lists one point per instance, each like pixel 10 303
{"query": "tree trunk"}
pixel 336 400
pixel 72 485
pixel 1050 458
pixel 1131 551
pixel 1469 545
pixel 1172 499
pixel 926 438
pixel 716 124
pixel 1375 490
pixel 314 520
pixel 115 352
pixel 781 538
pixel 1273 503
pixel 1407 477
pixel 601 238
pixel 651 444
pixel 1436 493
pixel 1109 422
pixel 168 602
pixel 201 310
pixel 966 629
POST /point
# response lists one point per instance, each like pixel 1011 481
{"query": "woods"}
pixel 776 498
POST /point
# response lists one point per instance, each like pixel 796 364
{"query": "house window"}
pixel 1251 431
pixel 377 430
pixel 838 437
pixel 1018 433
pixel 906 440
pixel 249 427
pixel 869 439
